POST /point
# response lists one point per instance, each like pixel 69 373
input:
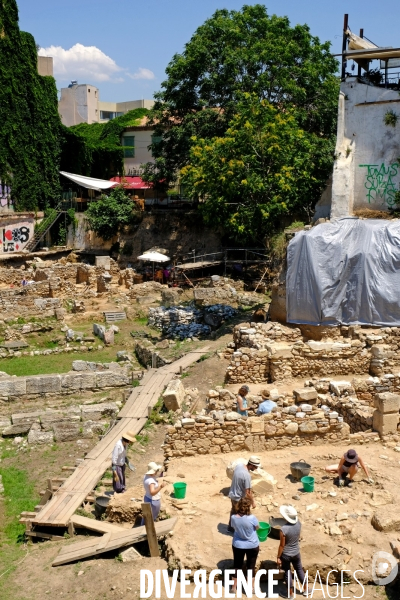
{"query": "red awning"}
pixel 132 183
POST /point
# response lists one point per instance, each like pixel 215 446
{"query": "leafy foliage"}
pixel 95 149
pixel 30 124
pixel 263 168
pixel 108 214
pixel 232 53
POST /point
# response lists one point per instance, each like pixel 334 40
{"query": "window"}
pixel 155 139
pixel 106 115
pixel 128 142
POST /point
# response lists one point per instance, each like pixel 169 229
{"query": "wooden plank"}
pixel 80 550
pixel 150 530
pixel 93 525
pixel 44 536
pixel 103 542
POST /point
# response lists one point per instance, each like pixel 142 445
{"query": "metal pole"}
pixel 359 67
pixel 386 73
pixel 344 46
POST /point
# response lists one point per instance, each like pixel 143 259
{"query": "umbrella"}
pixel 154 257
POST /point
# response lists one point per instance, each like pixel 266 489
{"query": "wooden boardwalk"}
pixel 72 493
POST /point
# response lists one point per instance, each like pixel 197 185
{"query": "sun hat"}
pixel 129 436
pixel 351 456
pixel 265 393
pixel 255 461
pixel 289 513
pixel 153 468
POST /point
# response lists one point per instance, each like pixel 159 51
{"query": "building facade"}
pixel 80 103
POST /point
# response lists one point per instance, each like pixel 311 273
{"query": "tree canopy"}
pixel 232 53
pixel 262 169
pixel 108 214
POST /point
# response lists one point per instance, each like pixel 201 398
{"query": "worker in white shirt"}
pixel 120 460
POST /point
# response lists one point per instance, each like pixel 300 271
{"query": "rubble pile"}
pixel 184 322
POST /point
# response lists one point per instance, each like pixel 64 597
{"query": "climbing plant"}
pixel 30 124
pixel 95 149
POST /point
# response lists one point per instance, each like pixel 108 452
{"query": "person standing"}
pixel 245 540
pixel 289 549
pixel 241 400
pixel 153 489
pixel 349 465
pixel 241 486
pixel 120 460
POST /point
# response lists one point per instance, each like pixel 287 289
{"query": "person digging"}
pixel 349 465
pixel 120 460
pixel 241 486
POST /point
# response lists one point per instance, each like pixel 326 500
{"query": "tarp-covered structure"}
pixel 345 272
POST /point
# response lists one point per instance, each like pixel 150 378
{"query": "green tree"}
pixel 262 169
pixel 110 213
pixel 29 120
pixel 232 53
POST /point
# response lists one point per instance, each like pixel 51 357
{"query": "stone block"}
pixel 130 555
pixel 15 386
pixel 308 427
pixel 322 347
pixel 95 412
pixel 103 261
pixel 385 424
pixel 280 351
pixel 60 313
pixel 109 337
pixel 292 428
pixel 79 365
pixel 43 384
pixel 339 388
pixel 381 351
pixel 174 395
pixel 49 418
pixel 36 436
pixel 257 426
pixel 19 418
pixel 387 402
pixel 308 394
pixel 99 330
pixel 387 519
pixel 20 429
pixel 4 423
pixel 78 381
pixel 111 378
pixel 66 432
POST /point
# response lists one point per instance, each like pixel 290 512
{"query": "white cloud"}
pixel 142 74
pixel 83 63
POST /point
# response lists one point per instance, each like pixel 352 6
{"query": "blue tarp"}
pixel 345 272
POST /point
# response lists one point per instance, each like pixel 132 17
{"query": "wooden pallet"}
pixel 111 540
pixel 111 317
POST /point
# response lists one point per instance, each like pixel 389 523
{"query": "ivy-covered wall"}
pixel 29 120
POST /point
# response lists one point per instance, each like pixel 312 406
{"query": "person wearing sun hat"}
pixel 241 485
pixel 119 461
pixel 152 488
pixel 349 465
pixel 289 549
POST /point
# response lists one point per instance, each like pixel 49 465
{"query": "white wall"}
pixel 142 155
pixel 367 167
pixel 79 104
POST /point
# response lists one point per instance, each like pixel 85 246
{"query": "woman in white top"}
pixel 152 488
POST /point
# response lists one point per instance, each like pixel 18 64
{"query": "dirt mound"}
pixel 124 508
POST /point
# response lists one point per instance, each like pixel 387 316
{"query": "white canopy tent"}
pixel 89 182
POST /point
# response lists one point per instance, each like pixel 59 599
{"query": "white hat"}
pixel 255 461
pixel 153 468
pixel 289 513
pixel 129 436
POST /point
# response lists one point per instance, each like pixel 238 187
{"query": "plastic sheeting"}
pixel 345 272
pixel 89 182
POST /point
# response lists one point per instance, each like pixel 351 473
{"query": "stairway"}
pixel 43 228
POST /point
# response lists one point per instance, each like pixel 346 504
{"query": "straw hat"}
pixel 153 468
pixel 351 456
pixel 255 461
pixel 289 513
pixel 129 435
pixel 265 393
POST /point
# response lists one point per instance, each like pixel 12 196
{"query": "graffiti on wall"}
pixel 380 184
pixel 13 238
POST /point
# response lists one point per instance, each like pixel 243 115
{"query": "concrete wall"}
pixel 367 168
pixel 15 231
pixel 45 65
pixel 79 104
pixel 142 141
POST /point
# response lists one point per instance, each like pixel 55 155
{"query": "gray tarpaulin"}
pixel 346 271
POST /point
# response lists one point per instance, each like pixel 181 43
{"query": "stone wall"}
pixel 148 355
pixel 18 388
pixel 270 351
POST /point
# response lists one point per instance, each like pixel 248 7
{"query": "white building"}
pixel 80 103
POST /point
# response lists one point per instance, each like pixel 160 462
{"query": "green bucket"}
pixel 180 490
pixel 263 531
pixel 308 484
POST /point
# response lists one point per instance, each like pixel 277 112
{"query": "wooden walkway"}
pixel 72 493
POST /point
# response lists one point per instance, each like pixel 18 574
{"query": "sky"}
pixel 123 46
